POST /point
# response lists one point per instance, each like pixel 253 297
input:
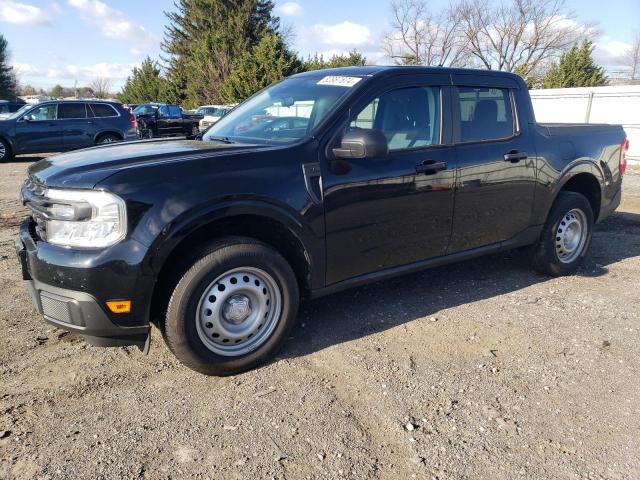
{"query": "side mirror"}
pixel 28 118
pixel 363 144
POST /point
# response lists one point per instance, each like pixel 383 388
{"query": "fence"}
pixel 618 104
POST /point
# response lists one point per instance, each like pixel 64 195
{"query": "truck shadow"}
pixel 370 309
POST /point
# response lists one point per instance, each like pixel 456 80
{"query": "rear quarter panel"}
pixel 566 150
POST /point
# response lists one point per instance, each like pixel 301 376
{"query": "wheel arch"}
pixel 279 230
pixel 97 136
pixel 584 178
pixel 9 142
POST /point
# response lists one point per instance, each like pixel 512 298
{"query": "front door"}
pixel 496 166
pixel 393 211
pixel 38 131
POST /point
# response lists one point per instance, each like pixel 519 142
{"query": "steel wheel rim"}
pixel 195 130
pixel 571 235
pixel 238 311
pixel 107 140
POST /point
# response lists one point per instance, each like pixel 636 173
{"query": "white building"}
pixel 618 104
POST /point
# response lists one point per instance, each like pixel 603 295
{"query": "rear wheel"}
pixel 566 236
pixel 107 138
pixel 195 130
pixel 6 154
pixel 232 309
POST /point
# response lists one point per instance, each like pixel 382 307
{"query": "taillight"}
pixel 132 120
pixel 624 148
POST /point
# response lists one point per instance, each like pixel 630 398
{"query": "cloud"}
pixel 23 14
pixel 112 71
pixel 345 34
pixel 610 52
pixel 114 24
pixel 26 69
pixel 67 74
pixel 289 9
pixel 338 38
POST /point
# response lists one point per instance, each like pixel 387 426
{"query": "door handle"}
pixel 430 167
pixel 514 156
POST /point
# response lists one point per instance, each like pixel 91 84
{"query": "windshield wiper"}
pixel 226 140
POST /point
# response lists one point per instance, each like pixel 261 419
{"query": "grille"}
pixel 55 309
pixel 33 197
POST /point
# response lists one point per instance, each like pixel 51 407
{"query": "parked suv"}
pixel 7 107
pixel 58 126
pixel 322 182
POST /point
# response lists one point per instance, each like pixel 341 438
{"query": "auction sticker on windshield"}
pixel 339 81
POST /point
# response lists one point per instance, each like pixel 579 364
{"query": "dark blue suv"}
pixel 57 126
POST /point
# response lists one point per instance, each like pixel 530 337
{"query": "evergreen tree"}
pixel 269 62
pixel 8 83
pixel 211 28
pixel 144 85
pixel 317 62
pixel 576 68
pixel 57 92
pixel 212 61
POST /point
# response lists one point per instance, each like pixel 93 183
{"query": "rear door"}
pixel 77 129
pixel 393 211
pixel 163 121
pixel 42 133
pixel 177 125
pixel 496 163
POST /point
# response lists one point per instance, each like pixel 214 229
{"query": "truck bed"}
pixel 578 129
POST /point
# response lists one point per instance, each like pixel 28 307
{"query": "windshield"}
pixel 212 111
pixel 145 109
pixel 284 113
pixel 23 109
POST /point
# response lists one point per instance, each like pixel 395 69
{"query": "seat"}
pixel 404 118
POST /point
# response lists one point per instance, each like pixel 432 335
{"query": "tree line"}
pixel 222 51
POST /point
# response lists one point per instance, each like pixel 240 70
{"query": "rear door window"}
pixel 103 110
pixel 175 112
pixel 485 114
pixel 72 110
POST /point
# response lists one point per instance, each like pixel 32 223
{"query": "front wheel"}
pixel 6 154
pixel 566 236
pixel 232 309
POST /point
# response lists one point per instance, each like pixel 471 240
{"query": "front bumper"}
pixel 81 310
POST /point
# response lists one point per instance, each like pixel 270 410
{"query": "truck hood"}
pixel 86 168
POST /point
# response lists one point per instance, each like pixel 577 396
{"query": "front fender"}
pixel 192 220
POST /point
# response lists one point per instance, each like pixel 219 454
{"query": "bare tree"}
pixel 422 38
pixel 101 87
pixel 521 34
pixel 632 59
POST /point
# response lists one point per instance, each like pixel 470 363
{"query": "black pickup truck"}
pixel 165 120
pixel 374 172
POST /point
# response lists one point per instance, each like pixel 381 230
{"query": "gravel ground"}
pixel 480 370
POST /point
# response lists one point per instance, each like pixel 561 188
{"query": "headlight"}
pixel 85 218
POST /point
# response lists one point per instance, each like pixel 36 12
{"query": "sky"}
pixel 64 41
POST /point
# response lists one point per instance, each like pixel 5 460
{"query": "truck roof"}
pixel 379 70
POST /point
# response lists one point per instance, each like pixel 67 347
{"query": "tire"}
pixel 6 153
pixel 195 130
pixel 257 299
pixel 566 236
pixel 107 138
